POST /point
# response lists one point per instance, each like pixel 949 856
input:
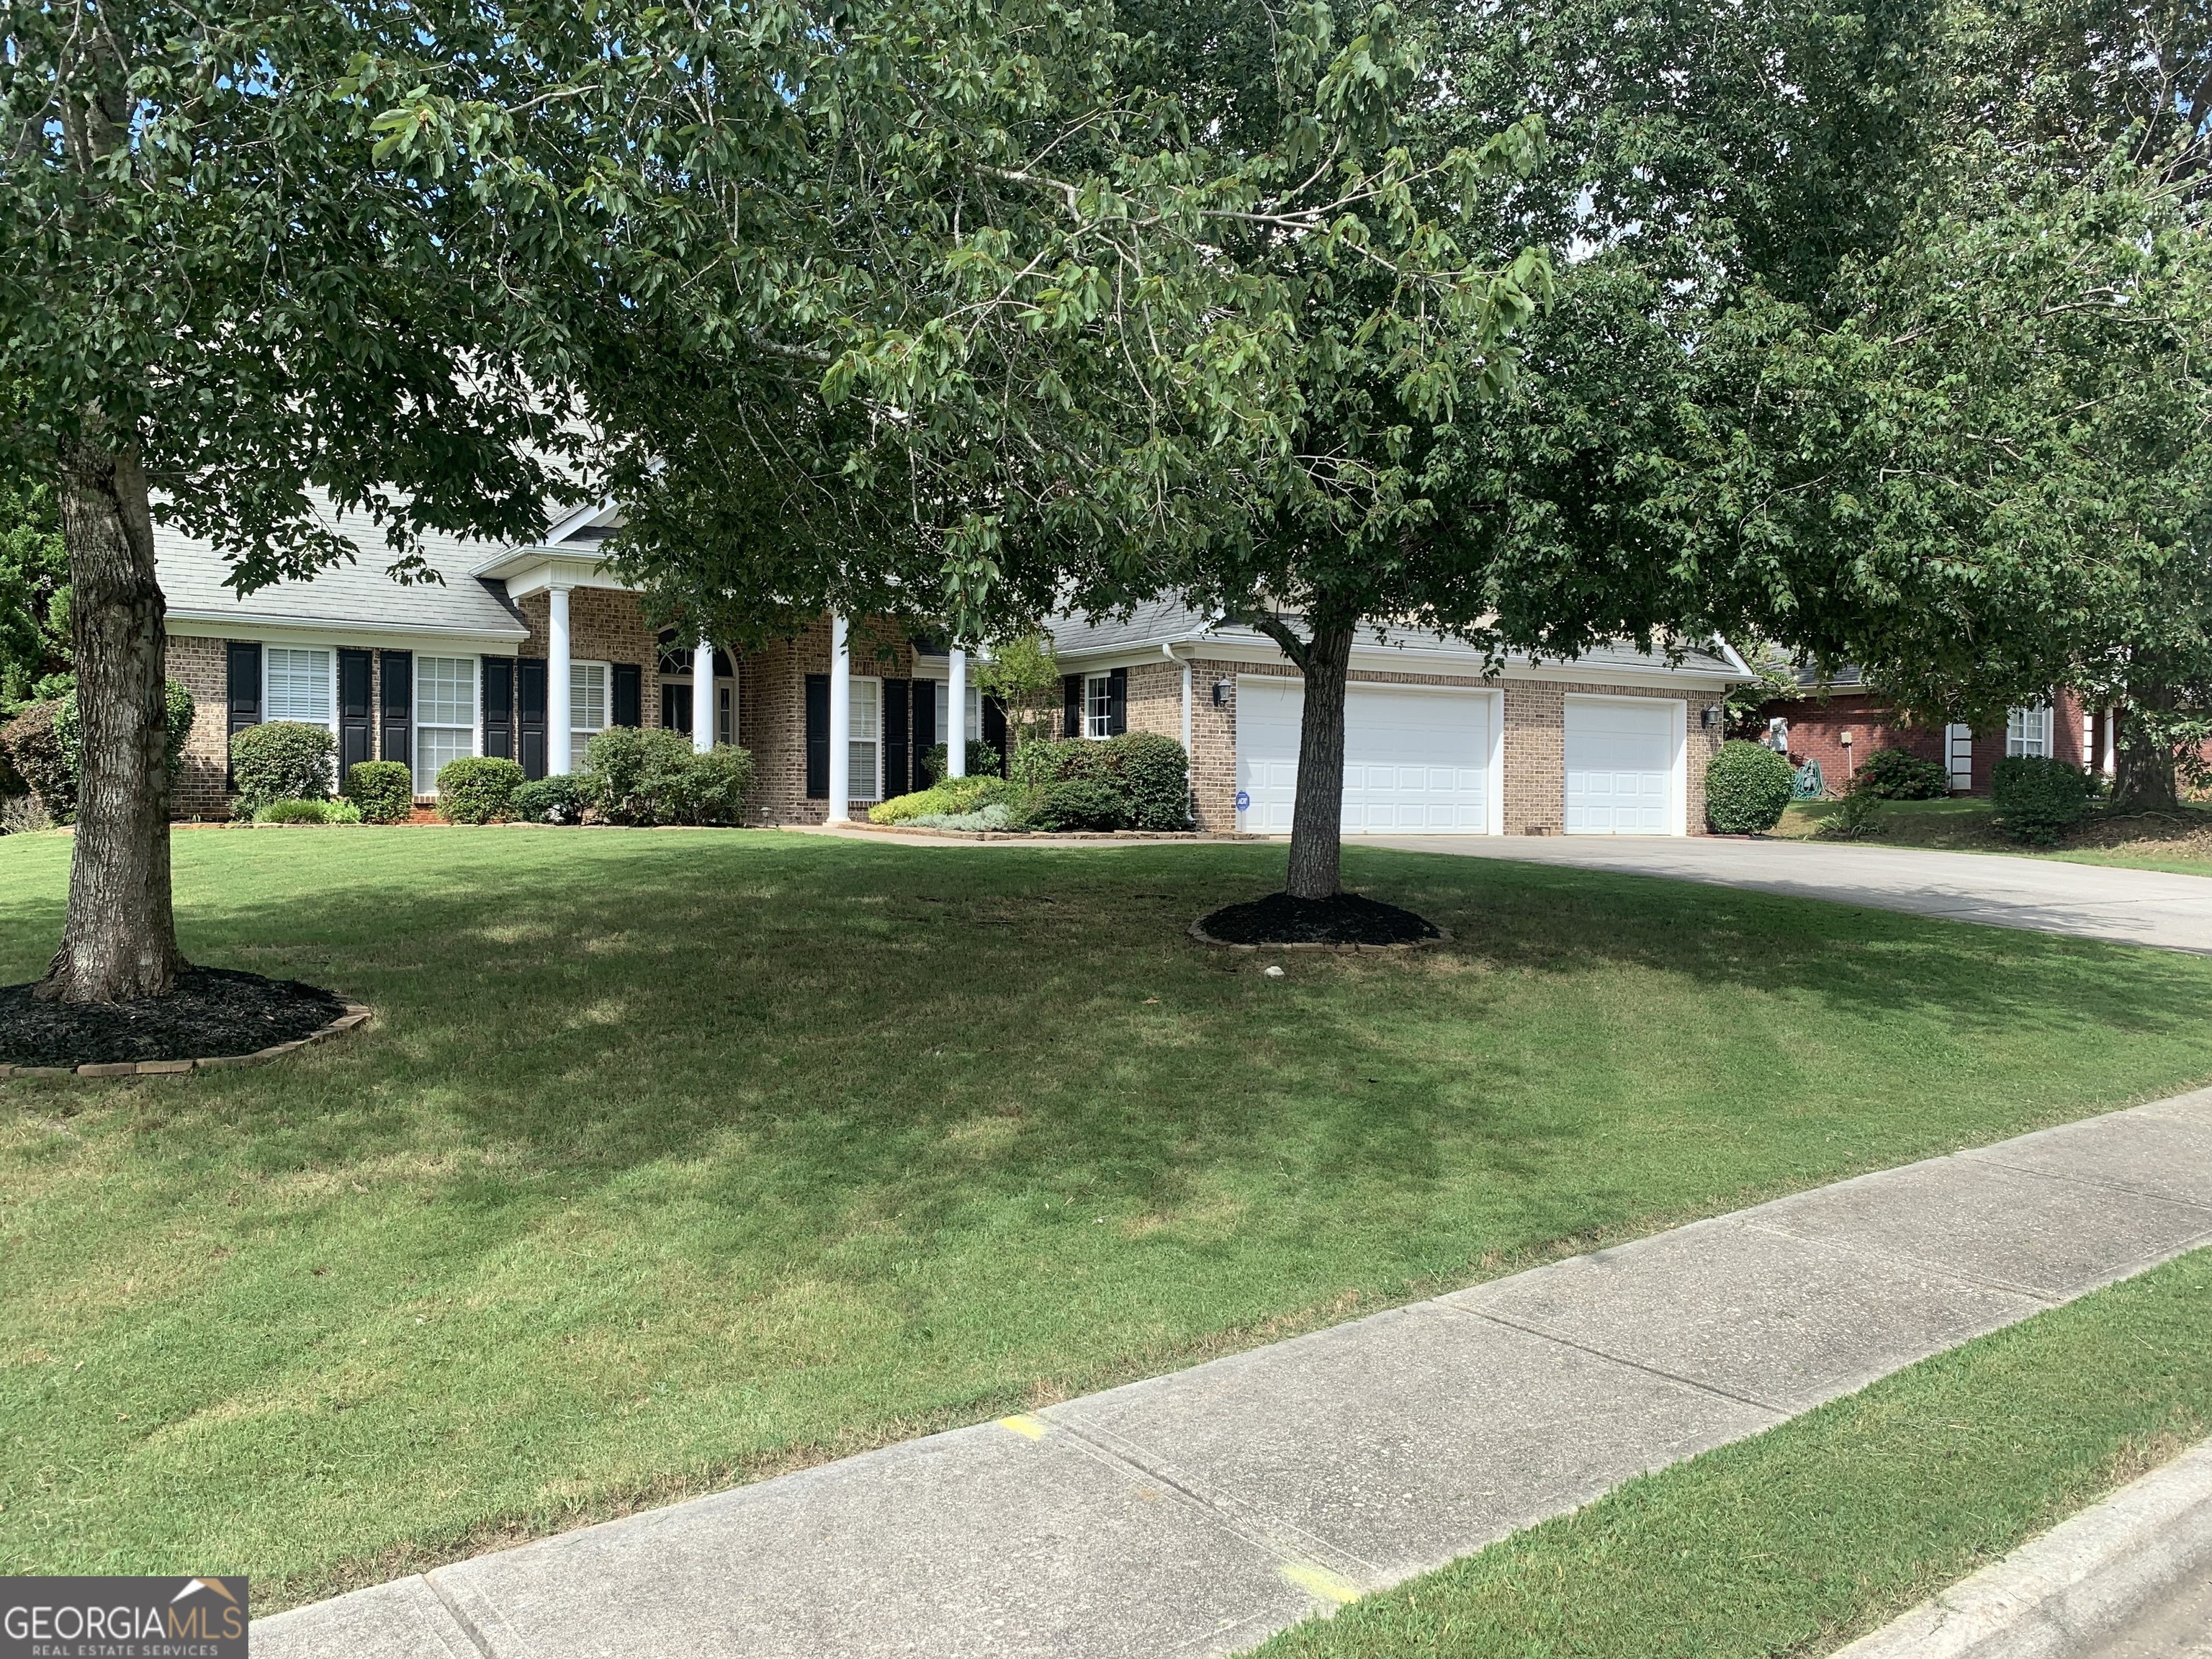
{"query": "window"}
pixel 445 715
pixel 1099 706
pixel 587 701
pixel 299 685
pixel 975 727
pixel 726 715
pixel 866 781
pixel 2027 731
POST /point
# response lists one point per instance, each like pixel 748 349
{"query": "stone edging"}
pixel 354 1013
pixel 1197 932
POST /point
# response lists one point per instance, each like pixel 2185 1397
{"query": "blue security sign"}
pixel 1244 799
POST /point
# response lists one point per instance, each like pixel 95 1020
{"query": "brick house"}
pixel 526 651
pixel 1840 722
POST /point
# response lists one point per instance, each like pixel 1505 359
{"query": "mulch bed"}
pixel 1347 921
pixel 213 1010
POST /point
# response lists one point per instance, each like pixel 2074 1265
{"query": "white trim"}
pixel 1959 757
pixel 1424 656
pixel 416 723
pixel 956 714
pixel 589 732
pixel 874 792
pixel 330 724
pixel 359 636
pixel 840 804
pixel 1678 772
pixel 532 571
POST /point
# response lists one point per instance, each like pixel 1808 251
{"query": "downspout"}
pixel 1168 650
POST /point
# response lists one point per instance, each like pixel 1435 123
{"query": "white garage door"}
pixel 1620 766
pixel 1414 761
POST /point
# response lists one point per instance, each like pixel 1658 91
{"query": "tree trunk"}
pixel 1317 816
pixel 119 941
pixel 2143 779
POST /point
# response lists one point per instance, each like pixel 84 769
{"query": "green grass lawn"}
pixel 1804 1538
pixel 2180 841
pixel 673 1158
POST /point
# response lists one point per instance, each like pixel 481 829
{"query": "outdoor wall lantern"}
pixel 1221 689
pixel 1710 717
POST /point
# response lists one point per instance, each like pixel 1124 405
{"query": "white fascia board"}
pixel 1470 664
pixel 580 517
pixel 371 636
pixel 1126 653
pixel 528 570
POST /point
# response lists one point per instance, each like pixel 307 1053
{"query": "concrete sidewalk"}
pixel 2050 896
pixel 1194 1513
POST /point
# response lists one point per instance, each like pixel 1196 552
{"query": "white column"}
pixel 557 758
pixel 2112 741
pixel 956 717
pixel 702 696
pixel 841 722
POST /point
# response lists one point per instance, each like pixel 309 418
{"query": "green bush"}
pixel 308 811
pixel 993 815
pixel 383 790
pixel 652 775
pixel 982 760
pixel 561 799
pixel 478 789
pixel 954 795
pixel 46 746
pixel 1078 804
pixel 2037 799
pixel 280 760
pixel 1857 817
pixel 1058 760
pixel 1900 775
pixel 1746 786
pixel 1154 774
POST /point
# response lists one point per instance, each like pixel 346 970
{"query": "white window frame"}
pixel 1098 706
pixel 417 724
pixel 2017 737
pixel 974 726
pixel 870 788
pixel 331 693
pixel 606 701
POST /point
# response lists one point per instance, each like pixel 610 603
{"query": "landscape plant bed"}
pixel 1053 834
pixel 213 1014
pixel 1346 922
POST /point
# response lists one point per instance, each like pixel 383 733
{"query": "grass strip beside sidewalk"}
pixel 1804 1538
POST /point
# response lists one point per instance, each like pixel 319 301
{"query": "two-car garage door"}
pixel 1416 760
pixel 1419 761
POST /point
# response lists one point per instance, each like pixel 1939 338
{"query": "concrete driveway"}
pixel 2051 895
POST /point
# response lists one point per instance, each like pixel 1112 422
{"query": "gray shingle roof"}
pixel 349 596
pixel 1165 621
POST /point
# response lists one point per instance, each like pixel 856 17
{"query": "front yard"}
pixel 676 1158
pixel 2180 841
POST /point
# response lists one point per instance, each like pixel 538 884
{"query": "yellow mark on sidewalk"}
pixel 1028 1427
pixel 1321 1582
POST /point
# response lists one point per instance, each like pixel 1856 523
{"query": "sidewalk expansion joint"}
pixel 1974 1155
pixel 459 1616
pixel 1780 1413
pixel 1921 1263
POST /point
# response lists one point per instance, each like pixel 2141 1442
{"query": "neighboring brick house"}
pixel 1839 722
pixel 527 652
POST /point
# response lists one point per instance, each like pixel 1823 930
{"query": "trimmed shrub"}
pixel 995 815
pixel 561 799
pixel 1154 774
pixel 1747 787
pixel 982 761
pixel 714 786
pixel 2037 799
pixel 1900 775
pixel 1058 760
pixel 308 811
pixel 954 795
pixel 642 775
pixel 477 789
pixel 1078 804
pixel 280 760
pixel 383 790
pixel 46 746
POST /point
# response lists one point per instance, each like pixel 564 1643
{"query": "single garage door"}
pixel 1415 762
pixel 1620 766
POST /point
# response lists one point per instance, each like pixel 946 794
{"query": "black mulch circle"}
pixel 212 1011
pixel 1348 918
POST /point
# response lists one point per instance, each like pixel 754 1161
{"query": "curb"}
pixel 1198 932
pixel 2080 1581
pixel 354 1014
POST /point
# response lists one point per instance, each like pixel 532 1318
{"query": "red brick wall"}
pixel 1817 725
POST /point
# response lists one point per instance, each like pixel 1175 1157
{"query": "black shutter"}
pixel 898 765
pixel 925 728
pixel 995 729
pixel 629 694
pixel 244 689
pixel 499 708
pixel 818 737
pixel 530 715
pixel 397 742
pixel 1117 702
pixel 1071 705
pixel 356 719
